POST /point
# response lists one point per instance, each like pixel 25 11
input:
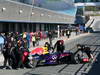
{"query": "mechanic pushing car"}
pixel 59 45
pixel 86 50
pixel 46 48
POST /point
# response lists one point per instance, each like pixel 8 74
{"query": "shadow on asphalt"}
pixel 2 67
pixel 95 70
pixel 91 45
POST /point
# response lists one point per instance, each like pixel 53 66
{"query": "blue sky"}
pixel 71 11
pixel 60 6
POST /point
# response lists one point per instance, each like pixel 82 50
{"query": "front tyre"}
pixel 34 63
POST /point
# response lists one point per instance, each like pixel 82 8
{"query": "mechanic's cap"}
pixel 79 45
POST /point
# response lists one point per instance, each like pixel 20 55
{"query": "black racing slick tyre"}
pixel 77 59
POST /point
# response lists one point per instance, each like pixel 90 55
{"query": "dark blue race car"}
pixel 48 59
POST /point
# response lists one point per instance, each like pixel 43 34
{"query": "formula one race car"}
pixel 54 58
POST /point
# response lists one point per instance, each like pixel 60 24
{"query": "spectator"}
pixel 1 41
pixel 7 55
pixel 28 40
pixel 82 28
pixel 63 32
pixel 33 40
pixel 19 54
pixel 68 33
pixel 50 37
pixel 24 43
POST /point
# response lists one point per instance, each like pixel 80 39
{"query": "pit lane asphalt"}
pixel 72 69
pixel 93 40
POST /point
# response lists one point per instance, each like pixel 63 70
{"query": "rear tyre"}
pixel 76 58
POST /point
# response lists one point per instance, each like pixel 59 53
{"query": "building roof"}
pixel 11 11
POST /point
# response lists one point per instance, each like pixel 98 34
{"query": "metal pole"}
pixel 84 11
pixel 33 2
pixel 58 31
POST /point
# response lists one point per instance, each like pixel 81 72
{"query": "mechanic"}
pixel 46 48
pixel 88 52
pixel 59 45
pixel 85 49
